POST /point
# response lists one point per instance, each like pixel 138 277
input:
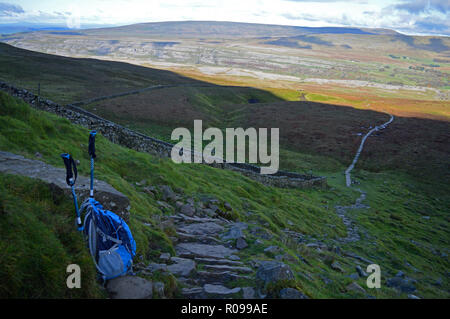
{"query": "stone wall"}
pixel 142 143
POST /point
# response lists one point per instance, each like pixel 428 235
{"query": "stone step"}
pixel 203 228
pixel 192 250
pixel 218 276
pixel 228 268
pixel 219 291
pixel 181 266
pixel 184 237
pixel 218 261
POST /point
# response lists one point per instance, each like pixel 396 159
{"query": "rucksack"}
pixel 109 239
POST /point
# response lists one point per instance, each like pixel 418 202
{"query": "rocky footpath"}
pixel 212 250
pixel 209 253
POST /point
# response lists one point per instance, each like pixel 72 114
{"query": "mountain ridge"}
pixel 211 28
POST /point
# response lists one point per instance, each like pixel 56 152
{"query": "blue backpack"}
pixel 110 241
pixel 109 238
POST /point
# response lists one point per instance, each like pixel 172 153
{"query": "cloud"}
pixel 424 6
pixel 8 9
pixel 408 16
pixel 354 1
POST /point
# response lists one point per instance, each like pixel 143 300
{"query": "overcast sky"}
pixel 411 17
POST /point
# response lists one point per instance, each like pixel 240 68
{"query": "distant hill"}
pixel 217 29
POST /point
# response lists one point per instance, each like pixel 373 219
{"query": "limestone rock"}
pixel 167 193
pixel 241 243
pixel 182 267
pixel 187 209
pixel 273 271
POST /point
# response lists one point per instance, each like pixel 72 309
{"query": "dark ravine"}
pixel 143 143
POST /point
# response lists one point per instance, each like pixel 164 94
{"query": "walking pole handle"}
pixel 92 144
pixel 71 169
pixel 71 177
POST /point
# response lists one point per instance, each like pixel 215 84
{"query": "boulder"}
pixel 241 243
pixel 273 271
pixel 355 287
pixel 187 209
pixel 130 287
pixel 109 197
pixel 337 266
pixel 182 267
pixel 167 193
pixel 233 233
pixel 361 272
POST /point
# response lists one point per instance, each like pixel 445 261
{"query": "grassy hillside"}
pixel 38 229
pixel 66 80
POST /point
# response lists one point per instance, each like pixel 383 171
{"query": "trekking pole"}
pixel 71 177
pixel 92 155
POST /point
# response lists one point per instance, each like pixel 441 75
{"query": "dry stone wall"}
pixel 142 143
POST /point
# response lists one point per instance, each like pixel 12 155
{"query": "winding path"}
pixel 348 180
pixel 352 229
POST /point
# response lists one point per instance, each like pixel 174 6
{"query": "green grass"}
pixel 38 241
pixel 37 229
pixel 73 79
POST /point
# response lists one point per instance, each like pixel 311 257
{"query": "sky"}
pixel 424 17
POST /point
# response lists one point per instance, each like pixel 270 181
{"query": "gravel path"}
pixel 352 229
pixel 348 180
